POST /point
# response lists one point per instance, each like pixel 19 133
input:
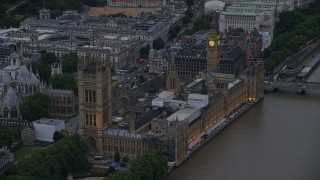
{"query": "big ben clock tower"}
pixel 213 55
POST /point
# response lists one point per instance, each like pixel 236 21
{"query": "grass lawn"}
pixel 24 151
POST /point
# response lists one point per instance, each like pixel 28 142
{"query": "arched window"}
pixel 14 112
pixel 5 112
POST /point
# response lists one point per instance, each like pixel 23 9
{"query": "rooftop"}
pixel 147 118
pixel 230 85
pixel 241 13
pixel 188 113
pixel 48 121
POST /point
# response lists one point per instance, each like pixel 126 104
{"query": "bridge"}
pixel 310 88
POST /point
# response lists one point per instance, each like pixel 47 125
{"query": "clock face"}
pixel 211 43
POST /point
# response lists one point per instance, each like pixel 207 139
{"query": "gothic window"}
pixel 90 96
pixel 93 96
pixel 90 115
pixel 86 95
pixel 87 119
pixel 172 83
pixel 14 112
pixel 94 120
pixel 6 112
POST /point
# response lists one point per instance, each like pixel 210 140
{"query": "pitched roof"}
pixel 11 97
pixel 5 77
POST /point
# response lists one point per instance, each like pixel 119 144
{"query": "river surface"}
pixel 277 139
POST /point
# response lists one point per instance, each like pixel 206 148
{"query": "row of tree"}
pixel 13 12
pixel 150 166
pixel 55 162
pixel 293 30
pixel 203 22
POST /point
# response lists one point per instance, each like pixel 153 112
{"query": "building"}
pixel 6 49
pixel 45 128
pixel 28 136
pixel 94 86
pixel 257 15
pixel 214 5
pixel 210 57
pixel 132 3
pixel 158 61
pixel 122 37
pixel 249 42
pixel 64 103
pixel 190 60
pixel 16 83
pixel 10 105
pixel 173 124
pixel 173 80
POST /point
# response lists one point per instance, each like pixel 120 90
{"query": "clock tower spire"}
pixel 213 53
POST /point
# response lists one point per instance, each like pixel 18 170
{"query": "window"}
pixel 90 96
pixel 14 112
pixel 6 112
pixel 86 95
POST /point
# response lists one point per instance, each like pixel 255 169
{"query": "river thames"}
pixel 277 139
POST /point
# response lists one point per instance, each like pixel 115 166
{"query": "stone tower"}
pixel 213 55
pixel 173 80
pixel 44 14
pixel 94 86
pixel 255 80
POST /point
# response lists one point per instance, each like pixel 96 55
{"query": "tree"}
pixel 118 15
pixel 64 81
pixel 158 44
pixel 47 58
pixel 117 156
pixel 150 166
pixel 189 2
pixel 55 162
pixel 69 63
pixel 111 170
pixel 173 32
pixel 36 106
pixel 57 136
pixel 202 23
pixel 144 51
pixel 43 69
pixel 125 159
pixel 6 136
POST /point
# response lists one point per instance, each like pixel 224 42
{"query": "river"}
pixel 277 139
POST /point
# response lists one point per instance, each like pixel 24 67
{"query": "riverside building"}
pixel 177 120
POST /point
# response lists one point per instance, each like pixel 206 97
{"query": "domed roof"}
pixel 11 97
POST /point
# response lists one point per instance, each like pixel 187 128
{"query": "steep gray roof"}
pixel 5 78
pixel 23 74
pixel 11 97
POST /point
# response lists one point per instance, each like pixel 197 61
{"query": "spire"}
pixel 37 73
pixel 30 69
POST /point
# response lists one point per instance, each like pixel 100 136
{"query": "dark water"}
pixel 278 139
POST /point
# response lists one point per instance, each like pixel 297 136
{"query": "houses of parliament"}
pixel 176 119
